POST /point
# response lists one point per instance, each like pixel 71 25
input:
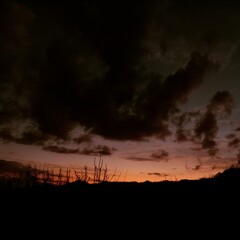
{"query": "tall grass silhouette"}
pixel 32 175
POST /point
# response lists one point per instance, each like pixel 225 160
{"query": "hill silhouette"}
pixel 226 182
pixel 123 204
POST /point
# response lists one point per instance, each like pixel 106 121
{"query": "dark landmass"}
pixel 224 183
pixel 125 206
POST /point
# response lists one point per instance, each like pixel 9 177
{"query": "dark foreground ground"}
pixel 128 210
pixel 225 185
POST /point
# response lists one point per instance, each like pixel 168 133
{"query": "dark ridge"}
pixel 124 204
pixel 227 181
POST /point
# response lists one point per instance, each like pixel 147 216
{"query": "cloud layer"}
pixel 94 64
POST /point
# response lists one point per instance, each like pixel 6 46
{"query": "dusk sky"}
pixel 153 87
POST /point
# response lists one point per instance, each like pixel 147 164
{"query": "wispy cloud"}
pixel 141 159
pixel 98 150
pixel 58 149
pixel 158 174
pixel 93 150
pixel 197 167
pixel 157 156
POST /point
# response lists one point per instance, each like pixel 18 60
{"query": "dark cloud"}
pixel 230 136
pixel 85 138
pixel 207 127
pixel 160 155
pixel 212 151
pixel 58 149
pixel 221 102
pixel 182 135
pixel 98 150
pixel 238 129
pixel 234 143
pixel 183 122
pixel 143 159
pixel 139 159
pixel 15 22
pixel 158 174
pixel 6 135
pixel 27 135
pixel 208 25
pixel 196 148
pixel 143 112
pixel 197 167
pixel 119 69
pixel 32 138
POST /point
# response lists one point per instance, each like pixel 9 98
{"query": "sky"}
pixel 150 87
